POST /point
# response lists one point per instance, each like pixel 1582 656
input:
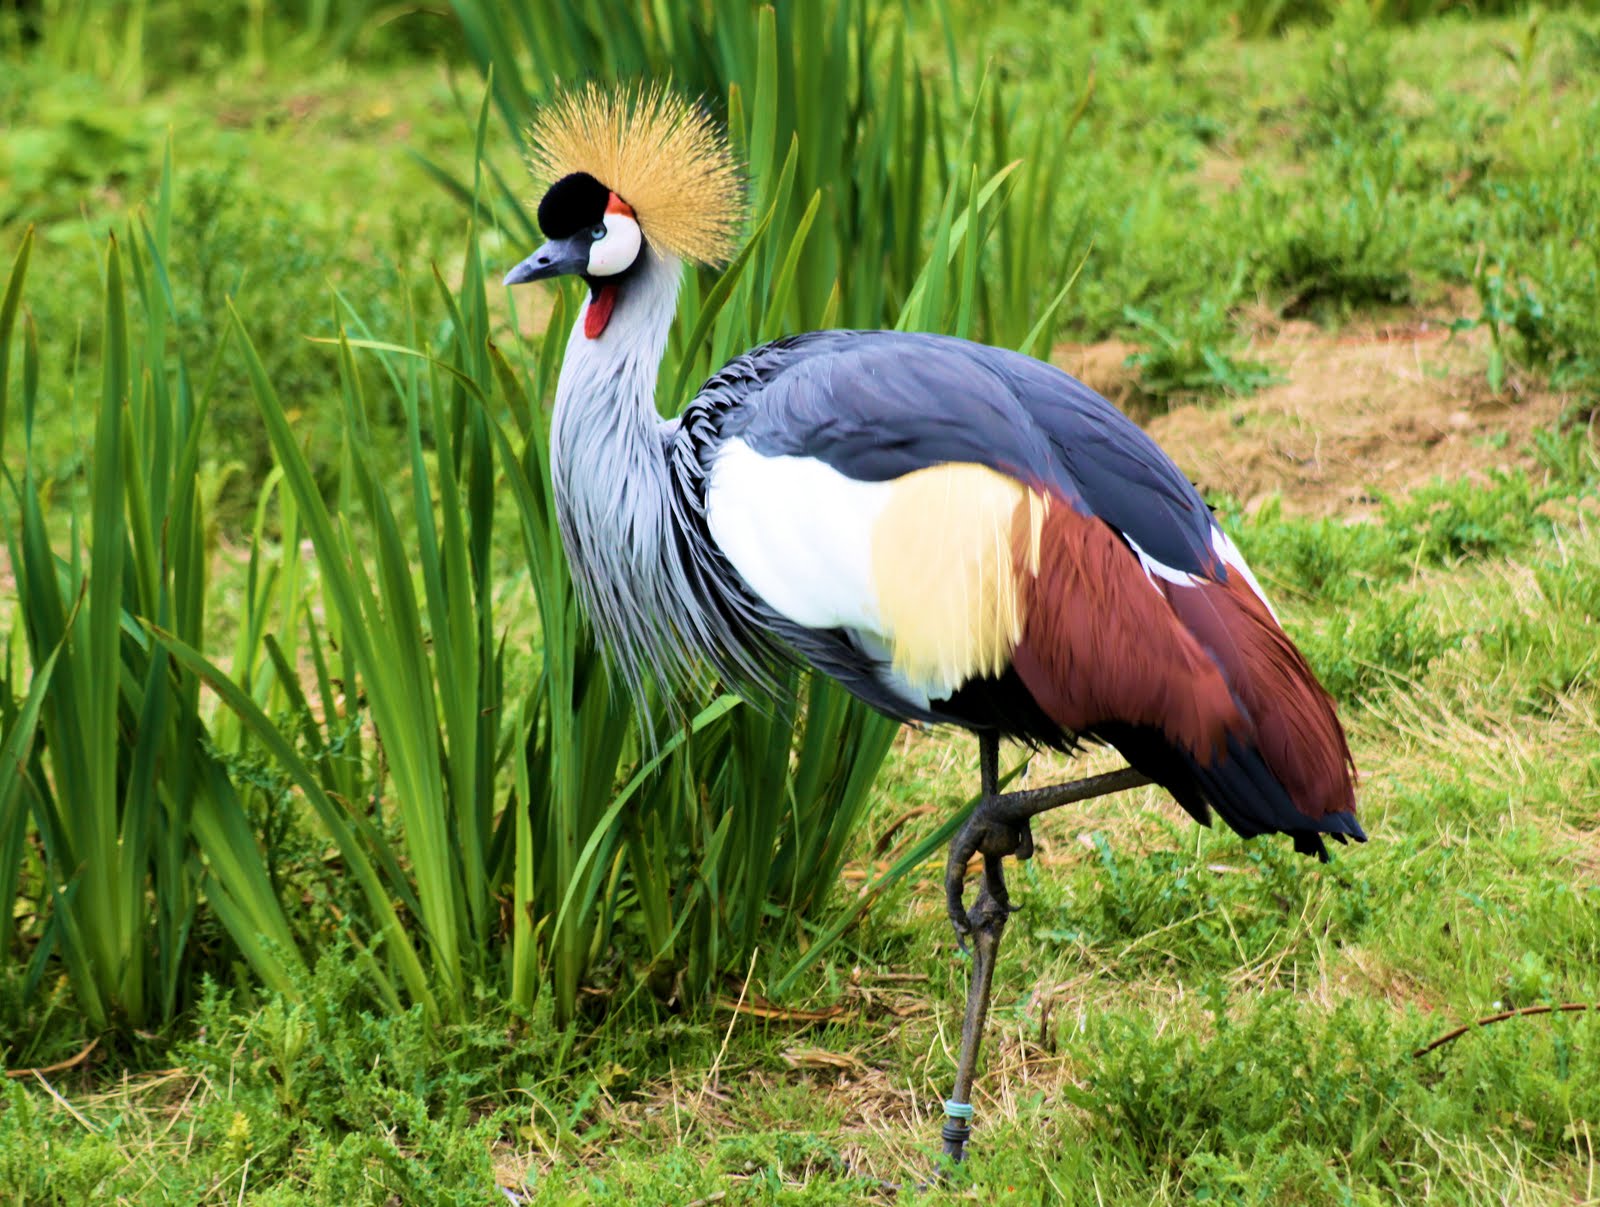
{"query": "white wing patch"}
pixel 800 533
pixel 1158 572
pixel 1154 569
pixel 921 568
pixel 1229 553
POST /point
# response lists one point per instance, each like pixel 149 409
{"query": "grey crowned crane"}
pixel 957 534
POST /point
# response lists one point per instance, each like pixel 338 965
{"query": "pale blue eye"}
pixel 598 233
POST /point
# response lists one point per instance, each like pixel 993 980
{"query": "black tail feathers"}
pixel 1239 786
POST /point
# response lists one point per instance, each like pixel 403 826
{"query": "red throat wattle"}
pixel 598 314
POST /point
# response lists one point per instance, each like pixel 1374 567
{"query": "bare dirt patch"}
pixel 1378 408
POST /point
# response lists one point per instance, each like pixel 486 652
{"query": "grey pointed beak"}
pixel 557 258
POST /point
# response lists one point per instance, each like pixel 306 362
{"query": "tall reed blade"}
pixel 137 819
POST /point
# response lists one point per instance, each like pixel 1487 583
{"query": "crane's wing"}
pixel 986 540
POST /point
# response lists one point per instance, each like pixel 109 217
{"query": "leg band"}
pixel 958 1127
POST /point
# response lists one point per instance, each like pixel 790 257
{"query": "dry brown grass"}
pixel 1380 406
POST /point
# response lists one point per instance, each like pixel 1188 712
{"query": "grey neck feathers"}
pixel 613 486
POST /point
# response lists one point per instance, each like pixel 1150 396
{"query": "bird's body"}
pixel 956 533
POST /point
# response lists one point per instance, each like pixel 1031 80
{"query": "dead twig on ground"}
pixel 59 1065
pixel 1563 1008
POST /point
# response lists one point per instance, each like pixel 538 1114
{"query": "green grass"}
pixel 1179 1017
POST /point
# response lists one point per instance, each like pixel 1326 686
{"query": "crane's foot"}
pixel 993 833
pixel 986 923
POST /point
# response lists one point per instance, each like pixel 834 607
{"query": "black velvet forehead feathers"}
pixel 574 203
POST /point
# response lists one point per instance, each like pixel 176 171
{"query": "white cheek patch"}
pixel 617 251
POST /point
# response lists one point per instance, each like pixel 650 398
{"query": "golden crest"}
pixel 656 151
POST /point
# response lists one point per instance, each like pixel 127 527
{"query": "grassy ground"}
pixel 1180 1016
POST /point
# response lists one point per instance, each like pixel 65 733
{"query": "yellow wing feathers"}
pixel 953 553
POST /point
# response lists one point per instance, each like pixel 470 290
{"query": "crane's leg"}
pixel 986 923
pixel 998 827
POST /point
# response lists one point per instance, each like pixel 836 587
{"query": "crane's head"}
pixel 628 175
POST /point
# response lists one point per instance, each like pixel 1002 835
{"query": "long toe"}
pixel 955 877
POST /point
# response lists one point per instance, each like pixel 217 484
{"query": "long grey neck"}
pixel 606 392
pixel 613 487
